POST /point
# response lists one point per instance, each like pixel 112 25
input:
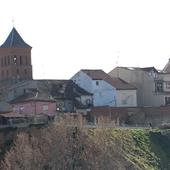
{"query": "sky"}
pixel 69 35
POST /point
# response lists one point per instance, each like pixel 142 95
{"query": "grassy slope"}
pixel 148 149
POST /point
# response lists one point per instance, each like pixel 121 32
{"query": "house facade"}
pixel 69 96
pixel 125 93
pixel 106 91
pixel 152 86
pixel 92 81
pixel 34 106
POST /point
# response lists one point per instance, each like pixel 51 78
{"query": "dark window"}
pixel 2 61
pixel 8 60
pixel 97 83
pixel 167 100
pixel 60 86
pixel 20 58
pixel 159 86
pixel 5 61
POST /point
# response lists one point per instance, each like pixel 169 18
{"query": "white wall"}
pixel 103 93
pixel 82 80
pixel 126 98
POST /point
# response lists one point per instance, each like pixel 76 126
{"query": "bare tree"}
pixel 66 146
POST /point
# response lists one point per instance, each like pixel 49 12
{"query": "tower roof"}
pixel 14 40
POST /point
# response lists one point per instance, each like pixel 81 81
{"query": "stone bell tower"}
pixel 15 59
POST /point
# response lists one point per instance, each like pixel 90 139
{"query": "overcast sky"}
pixel 69 35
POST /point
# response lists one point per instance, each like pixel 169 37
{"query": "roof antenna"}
pixel 117 62
pixel 13 22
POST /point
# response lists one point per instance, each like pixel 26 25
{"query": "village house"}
pixel 153 87
pixel 69 97
pixel 106 91
pixel 32 105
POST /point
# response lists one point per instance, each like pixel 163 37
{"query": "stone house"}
pixel 152 86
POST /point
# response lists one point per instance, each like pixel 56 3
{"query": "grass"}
pixel 148 149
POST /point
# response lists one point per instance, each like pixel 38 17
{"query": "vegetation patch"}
pixel 64 147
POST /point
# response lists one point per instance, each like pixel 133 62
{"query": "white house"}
pixel 106 90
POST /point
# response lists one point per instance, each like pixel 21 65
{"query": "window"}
pixel 168 85
pixel 97 83
pixel 8 60
pixel 45 107
pixel 60 86
pixel 20 58
pixel 15 60
pixel 167 100
pixel 2 61
pixel 159 86
pixel 21 109
pixel 5 61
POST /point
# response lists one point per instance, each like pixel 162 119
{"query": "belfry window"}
pixel 2 63
pixel 15 60
pixel 20 58
pixel 5 61
pixel 8 60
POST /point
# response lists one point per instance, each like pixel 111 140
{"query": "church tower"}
pixel 15 59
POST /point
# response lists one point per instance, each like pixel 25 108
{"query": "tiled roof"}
pixel 31 97
pixel 149 69
pixel 14 40
pixel 57 89
pixel 118 83
pixel 12 115
pixel 96 74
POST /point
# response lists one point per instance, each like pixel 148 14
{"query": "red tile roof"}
pixel 12 115
pixel 118 83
